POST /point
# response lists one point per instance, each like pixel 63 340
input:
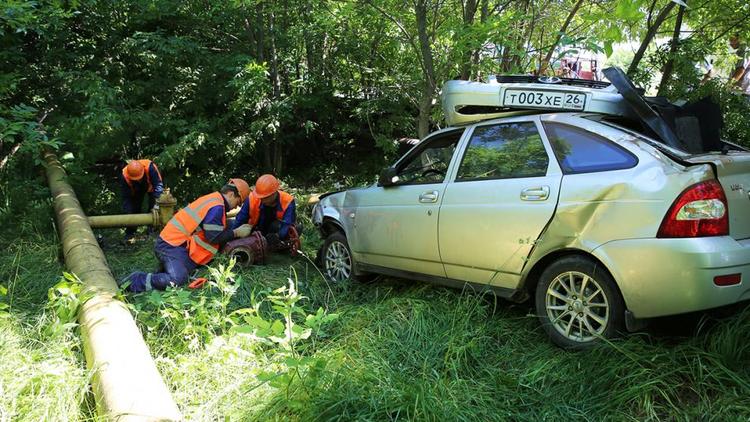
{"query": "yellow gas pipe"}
pixel 158 217
pixel 126 384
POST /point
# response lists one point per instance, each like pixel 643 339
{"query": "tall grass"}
pixel 399 350
pixel 403 350
pixel 42 372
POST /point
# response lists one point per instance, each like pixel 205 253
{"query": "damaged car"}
pixel 602 206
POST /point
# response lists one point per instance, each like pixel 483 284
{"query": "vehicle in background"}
pixel 579 68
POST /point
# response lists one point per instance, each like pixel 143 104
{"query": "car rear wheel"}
pixel 578 303
pixel 337 261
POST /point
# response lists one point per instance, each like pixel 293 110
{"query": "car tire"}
pixel 337 262
pixel 578 303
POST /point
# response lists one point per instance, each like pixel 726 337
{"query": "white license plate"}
pixel 528 98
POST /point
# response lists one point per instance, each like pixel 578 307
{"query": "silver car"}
pixel 600 225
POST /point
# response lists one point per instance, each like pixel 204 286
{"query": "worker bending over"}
pixel 138 178
pixel 268 210
pixel 192 237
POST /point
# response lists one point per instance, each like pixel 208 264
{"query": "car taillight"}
pixel 700 210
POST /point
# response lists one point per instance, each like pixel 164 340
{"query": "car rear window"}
pixel 580 151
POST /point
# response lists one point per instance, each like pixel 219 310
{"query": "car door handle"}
pixel 428 197
pixel 539 193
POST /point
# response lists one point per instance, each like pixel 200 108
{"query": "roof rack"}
pixel 528 79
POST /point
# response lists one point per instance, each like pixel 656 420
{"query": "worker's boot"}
pixel 139 281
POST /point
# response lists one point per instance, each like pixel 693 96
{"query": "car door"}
pixel 396 226
pixel 503 195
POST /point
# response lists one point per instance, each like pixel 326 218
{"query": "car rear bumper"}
pixel 659 277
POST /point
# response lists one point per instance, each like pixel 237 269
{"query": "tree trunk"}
pixel 10 155
pixel 469 11
pixel 278 159
pixel 428 90
pixel 545 62
pixel 425 110
pixel 267 164
pixel 270 154
pixel 511 57
pixel 669 65
pixel 650 34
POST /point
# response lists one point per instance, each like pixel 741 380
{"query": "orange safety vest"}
pixel 185 227
pixel 285 199
pixel 146 164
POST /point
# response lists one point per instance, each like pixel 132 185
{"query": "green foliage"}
pixel 3 305
pixel 316 93
pixel 43 374
pixel 64 300
pixel 183 320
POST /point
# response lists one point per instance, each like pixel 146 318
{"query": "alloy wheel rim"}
pixel 338 262
pixel 577 306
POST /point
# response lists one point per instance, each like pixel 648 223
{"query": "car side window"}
pixel 430 164
pixel 504 151
pixel 581 151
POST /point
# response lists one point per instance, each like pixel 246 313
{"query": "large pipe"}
pixel 121 220
pixel 126 384
pixel 158 217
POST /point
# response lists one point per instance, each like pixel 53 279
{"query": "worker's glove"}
pixel 243 231
pixel 273 240
pixel 156 206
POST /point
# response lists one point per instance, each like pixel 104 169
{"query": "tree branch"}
pixel 543 65
pixel 649 36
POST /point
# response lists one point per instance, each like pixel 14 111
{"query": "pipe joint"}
pixel 166 203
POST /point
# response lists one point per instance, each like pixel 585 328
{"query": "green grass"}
pixel 42 372
pixel 399 350
pixel 404 350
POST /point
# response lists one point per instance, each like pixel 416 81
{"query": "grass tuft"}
pixel 42 371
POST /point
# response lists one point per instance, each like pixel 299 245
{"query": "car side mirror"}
pixel 388 177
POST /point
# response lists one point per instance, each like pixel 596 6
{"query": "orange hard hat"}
pixel 135 170
pixel 266 186
pixel 242 188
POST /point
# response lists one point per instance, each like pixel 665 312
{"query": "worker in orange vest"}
pixel 192 237
pixel 269 210
pixel 138 178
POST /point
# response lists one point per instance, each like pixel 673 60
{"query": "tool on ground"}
pixel 197 283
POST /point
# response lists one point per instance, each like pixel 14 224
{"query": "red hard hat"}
pixel 242 188
pixel 266 186
pixel 135 170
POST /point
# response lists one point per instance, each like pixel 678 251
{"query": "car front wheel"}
pixel 578 302
pixel 336 259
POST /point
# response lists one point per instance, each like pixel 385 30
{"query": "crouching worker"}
pixel 270 211
pixel 192 237
pixel 138 178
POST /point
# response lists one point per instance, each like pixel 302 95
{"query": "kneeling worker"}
pixel 138 178
pixel 268 210
pixel 192 237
